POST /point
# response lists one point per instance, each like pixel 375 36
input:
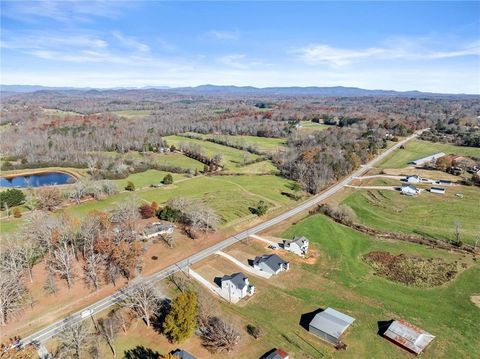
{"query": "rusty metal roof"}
pixel 408 336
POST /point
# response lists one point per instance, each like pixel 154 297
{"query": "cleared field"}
pixel 133 114
pixel 232 158
pixel 417 149
pixel 256 168
pixel 145 179
pixel 342 280
pixel 60 113
pixel 309 127
pixel 230 196
pixel 262 144
pixel 427 214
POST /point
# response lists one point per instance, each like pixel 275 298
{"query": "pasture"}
pixel 232 158
pixel 417 149
pixel 262 144
pixel 427 214
pixel 230 196
pixel 342 280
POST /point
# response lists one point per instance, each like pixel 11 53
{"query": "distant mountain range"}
pixel 249 90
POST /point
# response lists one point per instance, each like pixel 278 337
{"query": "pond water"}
pixel 37 180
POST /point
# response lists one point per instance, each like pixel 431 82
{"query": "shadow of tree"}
pixel 140 352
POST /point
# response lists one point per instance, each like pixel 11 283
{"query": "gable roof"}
pixel 238 279
pixel 273 261
pixel 409 336
pixel 298 240
pixel 332 322
pixel 183 354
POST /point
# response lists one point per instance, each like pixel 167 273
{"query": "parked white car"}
pixel 86 313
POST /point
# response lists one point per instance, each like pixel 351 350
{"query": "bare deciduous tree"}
pixel 75 340
pixel 143 299
pixel 219 336
pixel 60 262
pixel 12 295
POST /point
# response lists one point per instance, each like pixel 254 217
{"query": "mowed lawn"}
pixel 417 149
pixel 230 196
pixel 427 214
pixel 341 280
pixel 232 158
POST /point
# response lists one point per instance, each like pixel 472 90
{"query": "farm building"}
pixel 410 190
pixel 156 229
pixel 270 263
pixel 236 287
pixel 438 190
pixel 408 336
pixel 413 179
pixel 444 183
pixel 297 245
pixel 425 160
pixel 330 325
pixel 277 354
pixel 182 354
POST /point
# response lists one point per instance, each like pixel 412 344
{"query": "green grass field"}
pixel 428 214
pixel 230 196
pixel 309 127
pixel 417 149
pixel 133 114
pixel 232 158
pixel 341 280
pixel 145 179
pixel 262 144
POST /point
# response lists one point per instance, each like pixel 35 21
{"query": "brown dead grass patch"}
pixel 475 299
pixel 412 270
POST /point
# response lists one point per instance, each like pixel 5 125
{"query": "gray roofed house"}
pixel 157 228
pixel 236 287
pixel 330 325
pixel 270 263
pixel 297 245
pixel 182 354
pixel 408 336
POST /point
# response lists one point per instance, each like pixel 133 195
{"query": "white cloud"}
pixel 65 11
pixel 131 42
pixel 223 34
pixel 401 49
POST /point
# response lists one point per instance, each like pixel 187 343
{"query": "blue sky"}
pixel 428 46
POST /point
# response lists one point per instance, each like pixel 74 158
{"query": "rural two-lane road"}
pixel 45 334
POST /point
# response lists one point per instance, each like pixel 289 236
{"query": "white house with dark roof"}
pixel 330 325
pixel 297 245
pixel 236 287
pixel 408 336
pixel 270 263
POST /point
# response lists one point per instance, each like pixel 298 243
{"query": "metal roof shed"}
pixel 330 325
pixel 408 336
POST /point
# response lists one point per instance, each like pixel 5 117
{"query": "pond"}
pixel 37 180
